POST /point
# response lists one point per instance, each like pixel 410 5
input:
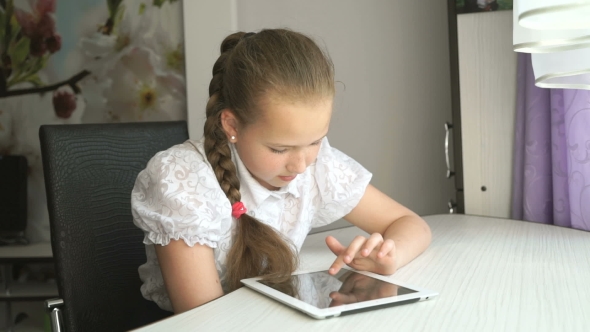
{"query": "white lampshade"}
pixel 554 14
pixel 563 70
pixel 543 41
pixel 560 53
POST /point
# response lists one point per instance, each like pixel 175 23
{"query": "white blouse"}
pixel 177 196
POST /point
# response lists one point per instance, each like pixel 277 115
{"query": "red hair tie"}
pixel 238 209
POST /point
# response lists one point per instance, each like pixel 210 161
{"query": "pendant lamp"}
pixel 557 34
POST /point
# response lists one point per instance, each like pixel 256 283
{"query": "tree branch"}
pixel 71 82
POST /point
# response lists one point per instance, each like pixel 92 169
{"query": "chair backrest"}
pixel 90 170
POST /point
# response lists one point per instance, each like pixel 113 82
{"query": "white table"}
pixel 492 275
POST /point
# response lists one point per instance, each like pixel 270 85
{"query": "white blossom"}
pixel 137 93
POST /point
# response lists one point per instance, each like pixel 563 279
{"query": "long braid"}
pixel 257 249
pixel 216 145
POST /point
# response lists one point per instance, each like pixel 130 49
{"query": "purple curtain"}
pixel 552 153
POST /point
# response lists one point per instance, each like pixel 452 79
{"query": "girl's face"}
pixel 284 140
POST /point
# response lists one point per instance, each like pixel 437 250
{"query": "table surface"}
pixel 492 275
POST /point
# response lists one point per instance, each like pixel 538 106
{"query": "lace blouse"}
pixel 177 196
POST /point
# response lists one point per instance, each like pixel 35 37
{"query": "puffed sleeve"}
pixel 341 182
pixel 178 197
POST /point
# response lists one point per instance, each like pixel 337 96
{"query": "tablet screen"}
pixel 322 290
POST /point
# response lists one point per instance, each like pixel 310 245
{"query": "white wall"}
pixel 206 23
pixel 393 60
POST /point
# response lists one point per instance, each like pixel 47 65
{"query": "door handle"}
pixel 448 127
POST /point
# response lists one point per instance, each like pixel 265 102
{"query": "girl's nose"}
pixel 297 163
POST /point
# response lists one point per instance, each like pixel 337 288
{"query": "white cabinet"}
pixel 487 76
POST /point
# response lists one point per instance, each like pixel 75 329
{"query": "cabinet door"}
pixel 487 74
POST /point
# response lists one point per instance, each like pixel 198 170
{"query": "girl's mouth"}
pixel 287 178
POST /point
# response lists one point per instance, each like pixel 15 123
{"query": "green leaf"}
pixel 9 9
pixel 118 18
pixel 159 3
pixel 13 35
pixel 29 71
pixel 35 80
pixel 38 64
pixel 43 61
pixel 113 6
pixel 19 51
pixel 14 25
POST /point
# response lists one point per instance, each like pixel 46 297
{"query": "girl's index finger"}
pixel 337 265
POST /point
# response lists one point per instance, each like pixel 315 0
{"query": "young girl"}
pixel 239 202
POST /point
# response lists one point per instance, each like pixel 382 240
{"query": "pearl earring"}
pixel 233 138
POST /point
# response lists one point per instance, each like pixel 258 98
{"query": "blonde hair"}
pixel 251 67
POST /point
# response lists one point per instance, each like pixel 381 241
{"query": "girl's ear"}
pixel 229 124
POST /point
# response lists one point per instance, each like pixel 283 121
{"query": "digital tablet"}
pixel 321 295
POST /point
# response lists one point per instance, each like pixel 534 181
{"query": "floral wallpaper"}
pixel 84 61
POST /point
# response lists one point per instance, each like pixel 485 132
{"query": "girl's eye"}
pixel 316 142
pixel 278 151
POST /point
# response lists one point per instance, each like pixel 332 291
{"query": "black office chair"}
pixel 90 170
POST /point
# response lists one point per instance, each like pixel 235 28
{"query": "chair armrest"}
pixel 53 306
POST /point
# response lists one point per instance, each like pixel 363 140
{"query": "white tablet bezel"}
pixel 419 295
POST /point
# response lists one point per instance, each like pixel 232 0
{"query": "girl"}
pixel 239 202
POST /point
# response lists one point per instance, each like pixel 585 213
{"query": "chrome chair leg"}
pixel 53 305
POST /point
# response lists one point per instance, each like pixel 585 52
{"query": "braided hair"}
pixel 289 65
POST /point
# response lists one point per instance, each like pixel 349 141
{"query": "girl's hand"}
pixel 373 254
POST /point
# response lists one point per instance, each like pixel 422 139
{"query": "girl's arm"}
pixel 398 235
pixel 189 273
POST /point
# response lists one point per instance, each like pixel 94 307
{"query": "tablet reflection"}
pixel 289 286
pixel 357 287
pixel 323 290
